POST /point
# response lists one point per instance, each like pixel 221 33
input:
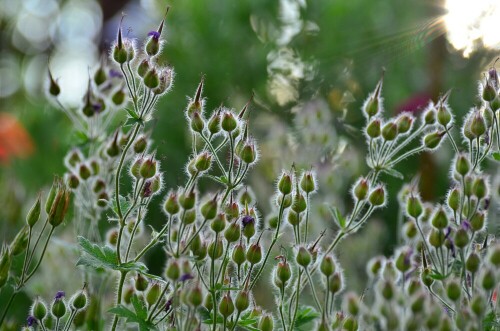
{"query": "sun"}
pixel 473 24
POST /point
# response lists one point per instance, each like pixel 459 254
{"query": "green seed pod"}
pixel 49 322
pixel 430 117
pixel 246 197
pixel 404 123
pixel 433 139
pixel 489 92
pixel 248 229
pixel 377 196
pixel 215 249
pixel 34 213
pixel 197 122
pixel 228 122
pixel 59 308
pixel 266 323
pixel 285 184
pixel 410 230
pixel 403 260
pixel 54 88
pixel 102 199
pixel 387 289
pixel 119 52
pixel 151 79
pixel 374 266
pixel 79 319
pixel 203 161
pixel 60 205
pixel 327 265
pixel 477 221
pixel 414 286
pixel 143 68
pixel 112 237
pixel 99 186
pixel 440 220
pixel 195 296
pixel 350 324
pixel 478 305
pixel 472 263
pixel 187 200
pixel 171 205
pixel 233 232
pixel 335 283
pixel 283 272
pixel 286 199
pixel 308 182
pixel 390 131
pixel 303 257
pixel 135 168
pixel 443 115
pixel 219 223
pixel 454 199
pixel 226 306
pixel 141 283
pixel 208 302
pixel 173 271
pixel 209 209
pixel 20 242
pixel 352 304
pixel 242 301
pixel 118 97
pixel 79 300
pixel 254 253
pixel 479 188
pixel 478 125
pixel 202 252
pixel 148 168
pixel 239 255
pixel 453 290
pixel 461 238
pixel 153 294
pixel 100 76
pixel 232 211
pixel 426 278
pixel 39 309
pixel 153 46
pixel 436 238
pixel 140 144
pixel 414 206
pixel 494 256
pixel 418 303
pixel 84 171
pixel 214 123
pixel 488 279
pixel 488 116
pixel 299 203
pixel 373 128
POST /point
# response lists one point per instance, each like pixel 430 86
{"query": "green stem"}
pixel 313 290
pixel 123 274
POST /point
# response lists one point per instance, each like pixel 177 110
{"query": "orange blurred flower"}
pixel 14 140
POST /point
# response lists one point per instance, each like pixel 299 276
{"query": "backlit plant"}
pixel 218 246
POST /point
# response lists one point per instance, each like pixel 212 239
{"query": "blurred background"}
pixel 310 65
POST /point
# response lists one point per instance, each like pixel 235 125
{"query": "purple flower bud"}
pixel 30 321
pixel 115 74
pixel 186 277
pixel 466 225
pixel 154 34
pixel 168 305
pixel 247 219
pixel 59 295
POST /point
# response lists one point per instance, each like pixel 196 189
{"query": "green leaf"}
pixel 496 155
pixel 140 307
pixel 305 315
pixel 133 114
pixel 125 204
pixel 132 317
pixel 394 173
pixel 98 257
pixel 337 216
pixel 81 138
pixel 132 121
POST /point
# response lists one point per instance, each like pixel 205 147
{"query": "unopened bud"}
pixel 239 255
pixel 327 265
pixel 390 131
pixel 414 206
pixel 473 262
pixel 440 219
pixel 254 253
pixel 433 139
pixel 303 257
pixel 226 306
pixel 404 123
pixel 373 129
pixel 229 122
pixel 151 79
pixel 34 213
pixel 209 209
pixel 285 184
pixel 377 196
pixel 148 168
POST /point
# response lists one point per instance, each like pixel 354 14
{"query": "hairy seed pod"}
pixel 472 263
pixel 453 290
pixel 226 306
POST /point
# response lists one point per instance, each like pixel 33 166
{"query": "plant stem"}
pixel 123 274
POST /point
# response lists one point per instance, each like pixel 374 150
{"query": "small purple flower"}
pixel 486 203
pixel 247 219
pixel 147 189
pixel 186 277
pixel 30 321
pixel 154 34
pixel 115 74
pixel 97 107
pixel 466 225
pixel 448 232
pixel 168 305
pixel 59 295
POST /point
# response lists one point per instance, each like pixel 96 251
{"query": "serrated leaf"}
pixel 132 113
pixel 394 173
pixel 337 216
pixel 98 257
pixel 140 307
pixel 496 155
pixel 305 315
pixel 132 121
pixel 132 317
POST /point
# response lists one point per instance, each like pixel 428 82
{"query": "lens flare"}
pixel 473 24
